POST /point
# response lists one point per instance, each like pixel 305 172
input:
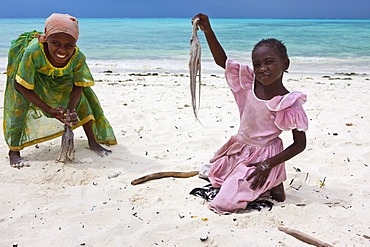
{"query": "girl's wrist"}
pixel 207 30
pixel 265 165
pixel 48 110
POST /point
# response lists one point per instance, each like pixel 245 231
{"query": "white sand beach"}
pixel 92 203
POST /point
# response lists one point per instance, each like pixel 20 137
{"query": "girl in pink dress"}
pixel 252 161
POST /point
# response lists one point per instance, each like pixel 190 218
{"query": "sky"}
pixel 332 9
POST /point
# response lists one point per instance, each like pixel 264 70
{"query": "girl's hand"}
pixel 203 22
pixel 260 174
pixel 58 113
pixel 70 118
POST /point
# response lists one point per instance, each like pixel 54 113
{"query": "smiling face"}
pixel 60 47
pixel 268 64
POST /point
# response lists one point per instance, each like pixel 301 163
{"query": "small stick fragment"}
pixel 304 237
pixel 114 175
pixel 158 175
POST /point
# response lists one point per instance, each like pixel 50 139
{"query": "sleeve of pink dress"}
pixel 289 111
pixel 238 76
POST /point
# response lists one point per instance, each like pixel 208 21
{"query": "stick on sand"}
pixel 164 175
pixel 304 237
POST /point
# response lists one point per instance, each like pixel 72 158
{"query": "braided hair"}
pixel 276 44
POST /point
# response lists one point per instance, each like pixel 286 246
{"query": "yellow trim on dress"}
pixel 56 68
pixel 85 84
pixel 48 138
pixel 24 83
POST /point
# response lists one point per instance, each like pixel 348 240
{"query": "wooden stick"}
pixel 158 175
pixel 304 237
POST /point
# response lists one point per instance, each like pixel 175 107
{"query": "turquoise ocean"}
pixel 310 42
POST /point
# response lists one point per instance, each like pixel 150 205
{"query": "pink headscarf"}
pixel 60 23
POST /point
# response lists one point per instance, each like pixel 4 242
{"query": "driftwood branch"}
pixel 164 175
pixel 304 237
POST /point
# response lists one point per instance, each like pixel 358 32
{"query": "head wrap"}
pixel 60 23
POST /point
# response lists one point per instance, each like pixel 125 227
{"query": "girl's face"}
pixel 60 48
pixel 268 65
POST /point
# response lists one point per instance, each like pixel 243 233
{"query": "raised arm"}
pixel 217 51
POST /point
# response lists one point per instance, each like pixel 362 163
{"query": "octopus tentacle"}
pixel 67 152
pixel 195 68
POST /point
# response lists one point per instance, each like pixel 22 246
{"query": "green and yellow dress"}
pixel 25 124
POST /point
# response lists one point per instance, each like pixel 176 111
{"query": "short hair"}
pixel 276 44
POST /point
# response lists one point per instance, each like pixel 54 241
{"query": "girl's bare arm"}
pixel 263 168
pixel 37 101
pixel 217 51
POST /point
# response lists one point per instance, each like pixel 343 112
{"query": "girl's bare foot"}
pixel 277 193
pixel 99 149
pixel 16 160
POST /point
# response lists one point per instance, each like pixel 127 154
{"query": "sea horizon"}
pixel 261 18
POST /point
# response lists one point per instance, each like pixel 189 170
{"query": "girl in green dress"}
pixel 49 85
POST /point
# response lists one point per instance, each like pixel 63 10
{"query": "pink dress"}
pixel 261 122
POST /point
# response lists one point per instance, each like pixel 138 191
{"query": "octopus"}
pixel 195 67
pixel 67 152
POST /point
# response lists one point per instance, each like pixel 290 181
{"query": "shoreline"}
pixel 299 65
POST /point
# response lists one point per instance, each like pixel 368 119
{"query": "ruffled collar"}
pixel 56 70
pixel 280 102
